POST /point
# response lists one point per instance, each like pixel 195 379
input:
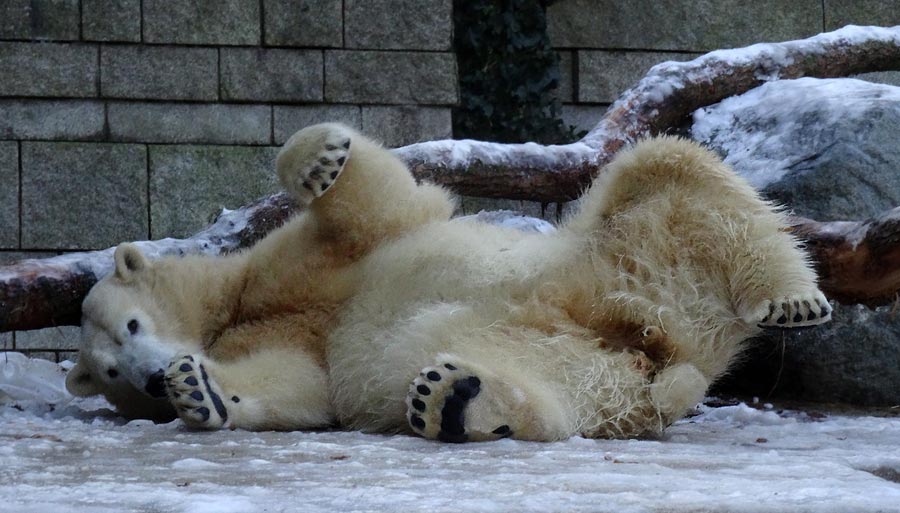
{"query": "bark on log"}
pixel 857 262
pixel 42 293
pixel 48 292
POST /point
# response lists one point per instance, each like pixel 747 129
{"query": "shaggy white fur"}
pixel 373 309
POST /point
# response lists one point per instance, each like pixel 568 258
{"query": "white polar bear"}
pixel 373 310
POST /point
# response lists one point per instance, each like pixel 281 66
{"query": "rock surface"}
pixel 827 149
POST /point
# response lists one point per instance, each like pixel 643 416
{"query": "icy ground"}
pixel 79 456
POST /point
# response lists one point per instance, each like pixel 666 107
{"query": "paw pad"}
pixel 437 404
pixel 314 178
pixel 195 396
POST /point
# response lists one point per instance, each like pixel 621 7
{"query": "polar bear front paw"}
pixel 792 311
pixel 451 404
pixel 311 176
pixel 196 397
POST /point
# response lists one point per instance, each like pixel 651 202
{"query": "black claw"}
pixel 191 380
pixel 197 395
pixel 235 398
pixel 782 319
pixel 333 175
pixel 798 317
pixel 325 186
pixel 812 315
pixel 417 422
pixel 771 312
pixel 449 367
pixel 433 376
pixel 418 404
pixel 422 389
pixel 346 144
pixel 341 160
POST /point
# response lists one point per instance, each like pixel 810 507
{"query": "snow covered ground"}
pixel 79 456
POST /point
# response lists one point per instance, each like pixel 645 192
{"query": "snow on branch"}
pixel 668 94
pixel 48 292
pixel 42 293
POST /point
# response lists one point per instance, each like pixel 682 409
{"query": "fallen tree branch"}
pixel 48 292
pixel 42 293
pixel 668 94
pixel 856 262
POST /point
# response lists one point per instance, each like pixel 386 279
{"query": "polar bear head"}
pixel 130 331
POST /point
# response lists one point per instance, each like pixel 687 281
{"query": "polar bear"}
pixel 373 310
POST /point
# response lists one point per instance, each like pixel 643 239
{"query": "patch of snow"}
pixel 81 457
pixel 24 379
pixel 510 219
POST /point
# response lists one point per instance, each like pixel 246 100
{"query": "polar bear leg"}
pixel 272 389
pixel 684 200
pixel 358 192
pixel 582 390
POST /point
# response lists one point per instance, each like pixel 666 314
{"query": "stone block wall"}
pixel 605 46
pixel 135 119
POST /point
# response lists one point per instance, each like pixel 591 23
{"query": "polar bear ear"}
pixel 129 261
pixel 80 383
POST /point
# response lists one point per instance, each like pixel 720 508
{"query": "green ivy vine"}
pixel 508 73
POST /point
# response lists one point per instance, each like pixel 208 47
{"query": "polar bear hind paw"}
pixel 451 404
pixel 196 397
pixel 313 178
pixel 793 311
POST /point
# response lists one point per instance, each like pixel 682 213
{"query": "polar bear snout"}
pixel 156 385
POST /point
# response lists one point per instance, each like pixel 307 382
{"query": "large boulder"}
pixel 827 149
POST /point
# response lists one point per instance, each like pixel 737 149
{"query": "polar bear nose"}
pixel 156 385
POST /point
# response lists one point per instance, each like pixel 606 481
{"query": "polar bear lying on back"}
pixel 373 310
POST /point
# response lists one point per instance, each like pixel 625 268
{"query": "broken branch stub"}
pixel 856 262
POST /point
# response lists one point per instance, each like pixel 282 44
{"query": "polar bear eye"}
pixel 133 326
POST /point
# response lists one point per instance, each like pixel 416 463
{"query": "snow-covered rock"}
pixel 827 149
